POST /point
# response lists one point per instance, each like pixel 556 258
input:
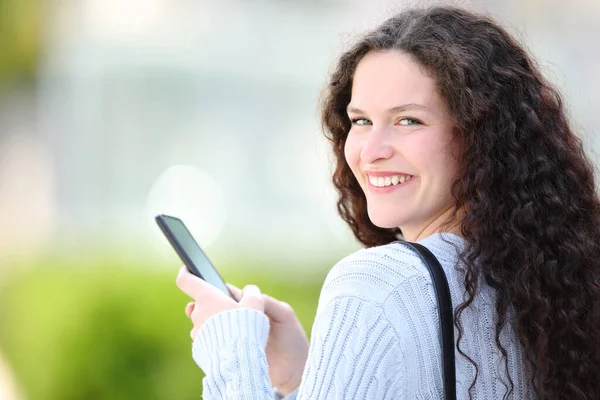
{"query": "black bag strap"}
pixel 442 291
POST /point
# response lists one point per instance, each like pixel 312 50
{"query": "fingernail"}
pixel 252 290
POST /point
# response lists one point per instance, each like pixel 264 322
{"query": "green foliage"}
pixel 21 24
pixel 112 332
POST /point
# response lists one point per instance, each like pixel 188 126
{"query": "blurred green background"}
pixel 113 111
pixel 113 330
pixel 20 37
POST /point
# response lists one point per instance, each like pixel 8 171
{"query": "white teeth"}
pixel 388 180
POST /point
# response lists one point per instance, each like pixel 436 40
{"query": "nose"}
pixel 376 146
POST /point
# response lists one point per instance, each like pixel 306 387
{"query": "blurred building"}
pixel 209 110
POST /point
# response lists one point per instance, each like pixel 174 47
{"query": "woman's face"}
pixel 398 145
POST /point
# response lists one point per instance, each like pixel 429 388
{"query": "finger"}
pixel 189 308
pixel 277 311
pixel 194 333
pixel 198 318
pixel 196 288
pixel 252 298
pixel 235 291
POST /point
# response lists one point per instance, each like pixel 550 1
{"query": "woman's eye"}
pixel 409 121
pixel 360 121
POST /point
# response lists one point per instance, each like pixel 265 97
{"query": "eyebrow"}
pixel 401 108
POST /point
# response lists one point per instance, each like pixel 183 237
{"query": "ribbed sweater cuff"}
pixel 224 331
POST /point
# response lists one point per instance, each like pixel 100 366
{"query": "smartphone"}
pixel 190 252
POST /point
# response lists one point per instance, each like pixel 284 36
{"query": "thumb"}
pixel 252 298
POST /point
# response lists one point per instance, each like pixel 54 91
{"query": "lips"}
pixel 384 173
pixel 382 181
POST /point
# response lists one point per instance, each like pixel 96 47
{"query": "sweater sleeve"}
pixel 230 349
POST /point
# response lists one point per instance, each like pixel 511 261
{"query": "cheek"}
pixel 442 170
pixel 433 154
pixel 352 153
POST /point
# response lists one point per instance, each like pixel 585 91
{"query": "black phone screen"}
pixel 190 252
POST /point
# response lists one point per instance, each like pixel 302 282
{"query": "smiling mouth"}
pixel 392 180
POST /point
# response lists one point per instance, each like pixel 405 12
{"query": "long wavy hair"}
pixel 532 213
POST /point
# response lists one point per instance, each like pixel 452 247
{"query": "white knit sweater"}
pixel 375 336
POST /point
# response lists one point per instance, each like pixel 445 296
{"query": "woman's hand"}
pixel 210 301
pixel 287 347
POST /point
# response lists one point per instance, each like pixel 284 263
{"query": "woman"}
pixel 445 133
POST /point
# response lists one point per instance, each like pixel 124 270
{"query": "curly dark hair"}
pixel 532 213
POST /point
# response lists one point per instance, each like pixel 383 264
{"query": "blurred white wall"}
pixel 208 110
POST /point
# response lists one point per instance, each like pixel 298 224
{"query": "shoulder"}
pixel 373 274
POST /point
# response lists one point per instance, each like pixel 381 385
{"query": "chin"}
pixel 383 219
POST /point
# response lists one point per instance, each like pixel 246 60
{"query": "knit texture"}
pixel 375 336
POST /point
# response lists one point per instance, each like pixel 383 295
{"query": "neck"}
pixel 437 224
